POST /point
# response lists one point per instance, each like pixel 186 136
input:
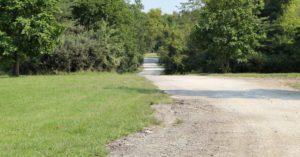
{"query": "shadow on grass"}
pixel 249 94
pixel 4 75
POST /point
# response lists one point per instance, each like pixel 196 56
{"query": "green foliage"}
pixel 290 20
pixel 280 47
pixel 167 35
pixel 66 12
pixel 171 51
pixel 98 50
pixel 205 36
pixel 126 18
pixel 191 5
pixel 228 30
pixel 154 27
pixel 89 12
pixel 121 48
pixel 273 9
pixel 296 48
pixel 28 27
pixel 236 36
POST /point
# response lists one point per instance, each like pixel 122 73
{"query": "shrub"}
pixel 91 50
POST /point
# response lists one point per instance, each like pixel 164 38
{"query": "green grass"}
pixel 151 55
pixel 74 114
pixel 178 121
pixel 255 74
pixel 286 76
pixel 296 86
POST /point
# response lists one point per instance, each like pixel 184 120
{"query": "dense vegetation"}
pixel 100 35
pixel 233 36
pixel 28 28
pixel 113 35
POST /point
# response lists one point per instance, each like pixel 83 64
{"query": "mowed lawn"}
pixel 72 115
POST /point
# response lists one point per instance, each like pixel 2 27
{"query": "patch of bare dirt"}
pixel 205 131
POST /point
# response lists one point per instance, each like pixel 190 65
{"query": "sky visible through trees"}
pixel 167 6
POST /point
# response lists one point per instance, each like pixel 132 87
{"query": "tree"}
pixel 229 30
pixel 28 28
pixel 191 5
pixel 66 11
pixel 273 9
pixel 89 12
pixel 297 49
pixel 154 27
pixel 139 26
pixel 290 21
pixel 121 15
pixel 171 51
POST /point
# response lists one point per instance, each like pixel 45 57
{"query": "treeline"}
pixel 231 36
pixel 51 36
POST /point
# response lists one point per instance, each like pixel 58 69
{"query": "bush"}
pixel 91 50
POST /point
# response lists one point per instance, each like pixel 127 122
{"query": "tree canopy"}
pixel 28 28
pixel 236 36
pixel 113 35
pixel 89 12
pixel 228 30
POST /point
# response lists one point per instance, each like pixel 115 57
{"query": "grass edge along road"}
pixel 151 55
pixel 296 86
pixel 284 76
pixel 73 114
pixel 254 74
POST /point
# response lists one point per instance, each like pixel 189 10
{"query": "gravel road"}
pixel 219 116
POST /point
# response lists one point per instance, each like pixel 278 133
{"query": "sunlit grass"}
pixel 151 55
pixel 74 114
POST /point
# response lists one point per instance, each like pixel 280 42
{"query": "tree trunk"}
pixel 16 71
pixel 226 66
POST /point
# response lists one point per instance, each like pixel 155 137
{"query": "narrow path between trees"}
pixel 218 116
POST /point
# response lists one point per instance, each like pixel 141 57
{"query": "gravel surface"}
pixel 219 116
